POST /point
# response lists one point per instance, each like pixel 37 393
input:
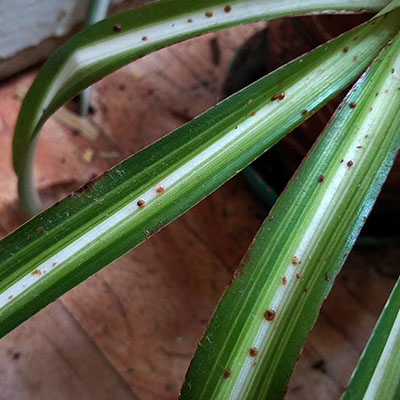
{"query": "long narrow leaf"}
pixel 260 325
pixel 106 46
pixel 377 375
pixel 67 243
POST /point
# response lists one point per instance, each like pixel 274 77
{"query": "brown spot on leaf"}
pixel 227 373
pixel 284 280
pixel 295 260
pixel 355 58
pixel 253 351
pixel 320 178
pixel 345 49
pixel 304 112
pixel 281 95
pixel 144 38
pixel 350 163
pixel 54 263
pixel 298 275
pixel 190 20
pixel 269 314
pixel 253 113
pixel 160 190
pixel 117 28
pixel 39 229
pixel 10 297
pixel 141 204
pixel 275 97
pixel 352 104
pixel 209 14
pixel 36 272
pixel 228 9
pixel 328 276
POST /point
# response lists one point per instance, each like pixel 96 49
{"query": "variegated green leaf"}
pixel 260 325
pixel 106 46
pixel 67 243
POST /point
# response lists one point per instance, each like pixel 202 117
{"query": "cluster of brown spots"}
pixel 350 163
pixel 269 315
pixel 190 20
pixel 320 178
pixel 144 38
pixel 352 104
pixel 295 260
pixel 209 14
pixel 253 351
pixel 228 9
pixel 253 113
pixel 345 49
pixel 117 28
pixel 36 272
pixel 328 276
pixel 284 280
pixel 298 275
pixel 227 373
pixel 39 229
pixel 141 204
pixel 160 190
pixel 304 112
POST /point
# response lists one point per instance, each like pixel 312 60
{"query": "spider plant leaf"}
pixel 116 41
pixel 377 375
pixel 259 327
pixel 67 243
pixel 97 11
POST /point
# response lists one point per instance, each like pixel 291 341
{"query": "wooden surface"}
pixel 129 332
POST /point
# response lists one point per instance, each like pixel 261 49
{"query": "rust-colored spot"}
pixel 10 297
pixel 352 104
pixel 355 58
pixel 117 28
pixel 227 373
pixel 141 204
pixel 36 272
pixel 320 178
pixel 284 280
pixel 253 351
pixel 281 95
pixel 345 49
pixel 328 276
pixel 295 260
pixel 190 20
pixel 39 229
pixel 349 163
pixel 298 275
pixel 304 112
pixel 209 14
pixel 228 9
pixel 269 315
pixel 144 38
pixel 160 190
pixel 253 113
pixel 275 97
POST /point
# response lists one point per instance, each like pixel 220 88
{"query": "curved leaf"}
pixel 116 41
